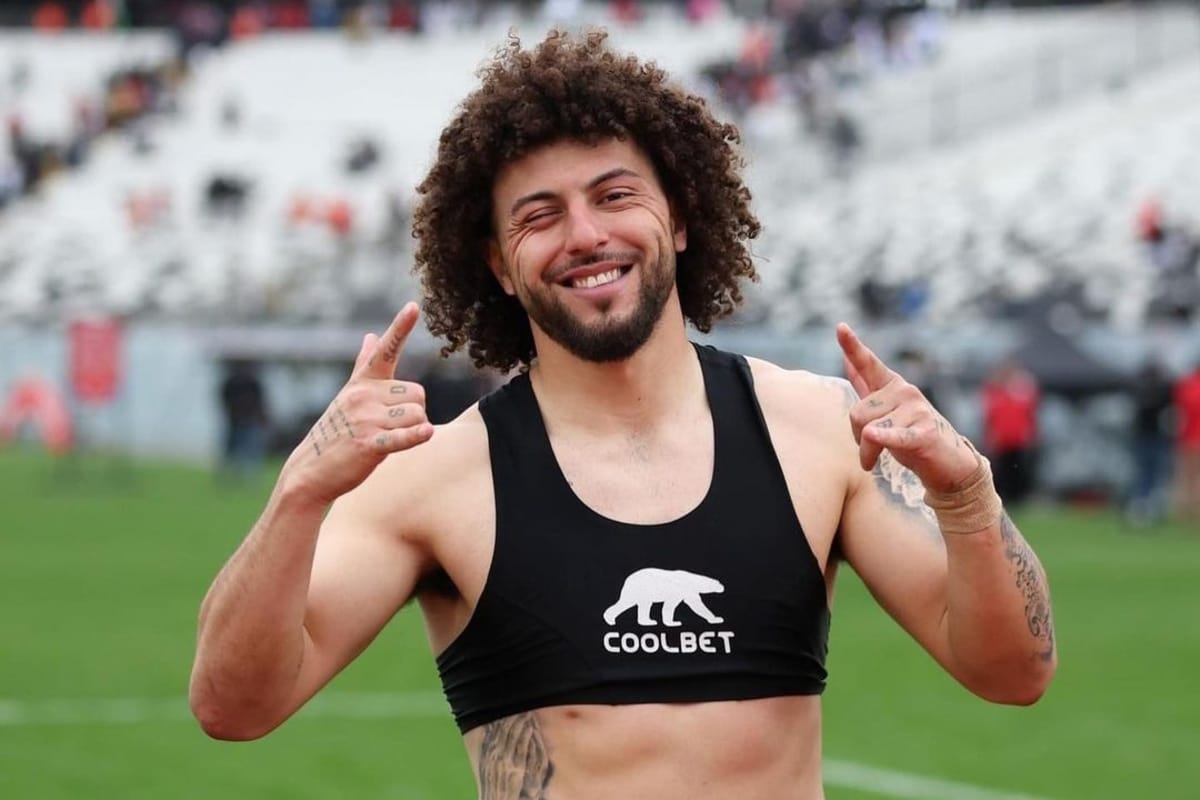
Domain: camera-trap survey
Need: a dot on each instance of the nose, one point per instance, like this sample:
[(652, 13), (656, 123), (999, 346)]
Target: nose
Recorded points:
[(585, 230)]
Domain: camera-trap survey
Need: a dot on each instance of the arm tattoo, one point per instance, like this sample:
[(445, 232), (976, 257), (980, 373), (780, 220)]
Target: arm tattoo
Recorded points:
[(514, 763), (849, 396), (1032, 584), (904, 489)]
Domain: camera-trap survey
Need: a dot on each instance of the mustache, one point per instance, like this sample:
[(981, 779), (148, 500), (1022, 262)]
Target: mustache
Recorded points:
[(620, 256)]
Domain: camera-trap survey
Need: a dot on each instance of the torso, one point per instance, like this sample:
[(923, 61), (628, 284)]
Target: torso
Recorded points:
[(767, 748)]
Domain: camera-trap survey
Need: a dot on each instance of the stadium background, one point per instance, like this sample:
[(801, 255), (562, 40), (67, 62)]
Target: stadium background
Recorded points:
[(200, 183)]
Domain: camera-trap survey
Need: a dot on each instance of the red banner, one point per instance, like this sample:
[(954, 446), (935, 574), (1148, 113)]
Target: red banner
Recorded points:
[(95, 359)]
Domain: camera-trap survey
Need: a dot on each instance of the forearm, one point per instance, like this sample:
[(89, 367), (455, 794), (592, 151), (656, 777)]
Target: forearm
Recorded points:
[(251, 638), (998, 621)]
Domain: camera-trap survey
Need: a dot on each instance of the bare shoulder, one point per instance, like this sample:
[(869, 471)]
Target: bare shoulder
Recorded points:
[(799, 395), (412, 491), (807, 419)]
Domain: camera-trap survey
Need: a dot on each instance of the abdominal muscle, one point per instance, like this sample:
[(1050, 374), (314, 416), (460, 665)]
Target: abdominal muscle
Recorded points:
[(746, 749)]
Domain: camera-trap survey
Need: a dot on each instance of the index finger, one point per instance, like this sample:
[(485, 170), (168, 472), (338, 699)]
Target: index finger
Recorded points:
[(873, 372), (382, 363)]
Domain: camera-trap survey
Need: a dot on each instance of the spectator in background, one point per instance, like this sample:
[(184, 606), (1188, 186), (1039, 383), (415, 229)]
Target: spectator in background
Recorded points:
[(1187, 445), (97, 15), (1151, 445), (1010, 406), (243, 402), (50, 16)]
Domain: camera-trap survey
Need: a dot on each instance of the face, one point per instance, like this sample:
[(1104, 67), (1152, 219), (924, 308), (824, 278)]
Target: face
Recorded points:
[(585, 239)]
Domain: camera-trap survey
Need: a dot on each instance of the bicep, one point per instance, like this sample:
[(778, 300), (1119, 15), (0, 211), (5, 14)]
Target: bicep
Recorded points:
[(891, 540), (363, 572)]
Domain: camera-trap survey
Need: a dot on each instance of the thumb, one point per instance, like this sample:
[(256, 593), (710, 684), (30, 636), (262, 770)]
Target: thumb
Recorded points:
[(364, 352)]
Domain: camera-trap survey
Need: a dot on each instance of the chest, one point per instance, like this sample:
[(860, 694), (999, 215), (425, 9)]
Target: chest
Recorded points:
[(640, 479)]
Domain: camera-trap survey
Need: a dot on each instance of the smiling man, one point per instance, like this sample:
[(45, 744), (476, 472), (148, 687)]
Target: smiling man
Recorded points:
[(625, 556)]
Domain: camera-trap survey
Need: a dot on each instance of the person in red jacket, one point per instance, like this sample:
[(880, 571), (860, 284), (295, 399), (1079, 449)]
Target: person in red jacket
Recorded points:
[(1187, 445), (1010, 407)]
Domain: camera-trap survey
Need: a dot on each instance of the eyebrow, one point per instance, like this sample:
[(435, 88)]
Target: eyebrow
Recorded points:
[(592, 184)]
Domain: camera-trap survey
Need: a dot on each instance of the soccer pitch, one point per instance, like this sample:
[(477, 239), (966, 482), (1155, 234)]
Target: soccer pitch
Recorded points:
[(101, 577)]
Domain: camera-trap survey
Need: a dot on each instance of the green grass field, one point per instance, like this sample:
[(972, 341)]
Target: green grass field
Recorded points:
[(100, 578)]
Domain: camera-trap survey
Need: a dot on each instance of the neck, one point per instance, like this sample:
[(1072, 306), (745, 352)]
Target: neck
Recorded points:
[(630, 396)]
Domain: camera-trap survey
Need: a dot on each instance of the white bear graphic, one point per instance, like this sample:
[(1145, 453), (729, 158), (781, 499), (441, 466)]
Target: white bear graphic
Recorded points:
[(670, 587)]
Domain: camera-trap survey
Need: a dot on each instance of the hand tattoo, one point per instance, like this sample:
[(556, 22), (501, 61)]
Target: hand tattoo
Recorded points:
[(514, 762), (334, 425)]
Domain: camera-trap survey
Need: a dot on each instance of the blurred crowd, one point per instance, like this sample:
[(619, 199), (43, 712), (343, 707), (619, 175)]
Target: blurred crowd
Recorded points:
[(214, 21), (126, 98)]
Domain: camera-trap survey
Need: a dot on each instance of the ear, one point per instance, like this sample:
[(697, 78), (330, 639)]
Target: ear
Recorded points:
[(680, 235), (496, 265)]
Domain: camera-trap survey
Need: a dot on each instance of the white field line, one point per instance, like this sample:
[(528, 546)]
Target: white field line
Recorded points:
[(850, 775), (366, 705)]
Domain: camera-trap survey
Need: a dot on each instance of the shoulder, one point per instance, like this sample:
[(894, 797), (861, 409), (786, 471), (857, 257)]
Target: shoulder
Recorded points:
[(807, 415), (800, 394), (414, 491)]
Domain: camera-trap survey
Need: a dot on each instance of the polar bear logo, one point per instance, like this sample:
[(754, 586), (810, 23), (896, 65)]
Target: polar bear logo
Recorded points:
[(670, 587)]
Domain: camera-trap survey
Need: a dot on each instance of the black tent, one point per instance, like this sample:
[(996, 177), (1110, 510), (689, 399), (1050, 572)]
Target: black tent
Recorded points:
[(1061, 367)]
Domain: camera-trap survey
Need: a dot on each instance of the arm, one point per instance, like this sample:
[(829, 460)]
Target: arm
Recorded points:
[(975, 597), (300, 597)]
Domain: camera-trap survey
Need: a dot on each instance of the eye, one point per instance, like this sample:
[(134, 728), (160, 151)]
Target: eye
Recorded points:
[(614, 195), (540, 215)]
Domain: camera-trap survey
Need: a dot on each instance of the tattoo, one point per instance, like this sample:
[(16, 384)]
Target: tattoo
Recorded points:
[(340, 416), (873, 403), (849, 396), (884, 423), (334, 425), (399, 390), (514, 762), (392, 349), (396, 411), (903, 488), (381, 441), (1032, 583)]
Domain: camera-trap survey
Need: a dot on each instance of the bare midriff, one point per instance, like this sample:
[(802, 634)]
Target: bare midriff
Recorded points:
[(768, 748)]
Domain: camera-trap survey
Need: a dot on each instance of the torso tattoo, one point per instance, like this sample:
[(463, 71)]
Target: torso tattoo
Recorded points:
[(514, 761)]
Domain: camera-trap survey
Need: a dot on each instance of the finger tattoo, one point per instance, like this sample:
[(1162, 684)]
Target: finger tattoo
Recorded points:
[(396, 411)]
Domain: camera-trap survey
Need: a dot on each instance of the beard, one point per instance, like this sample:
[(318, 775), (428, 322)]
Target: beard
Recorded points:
[(609, 339)]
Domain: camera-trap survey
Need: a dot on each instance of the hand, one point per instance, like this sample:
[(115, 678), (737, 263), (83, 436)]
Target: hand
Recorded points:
[(373, 415), (894, 415)]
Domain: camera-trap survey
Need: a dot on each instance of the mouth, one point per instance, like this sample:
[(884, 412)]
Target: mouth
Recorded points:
[(595, 276)]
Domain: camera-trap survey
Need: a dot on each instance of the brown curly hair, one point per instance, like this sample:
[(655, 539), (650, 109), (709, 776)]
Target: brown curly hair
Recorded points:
[(574, 88)]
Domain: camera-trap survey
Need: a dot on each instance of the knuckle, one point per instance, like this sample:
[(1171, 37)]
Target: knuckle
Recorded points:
[(356, 393)]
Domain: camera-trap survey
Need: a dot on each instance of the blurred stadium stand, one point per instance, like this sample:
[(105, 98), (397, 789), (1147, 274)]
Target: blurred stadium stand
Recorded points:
[(962, 181)]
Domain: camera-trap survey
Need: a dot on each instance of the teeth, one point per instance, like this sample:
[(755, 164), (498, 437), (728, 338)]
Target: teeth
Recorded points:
[(592, 281)]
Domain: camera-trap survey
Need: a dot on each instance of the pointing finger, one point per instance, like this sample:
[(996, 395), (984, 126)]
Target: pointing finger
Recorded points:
[(382, 362), (856, 380), (873, 372)]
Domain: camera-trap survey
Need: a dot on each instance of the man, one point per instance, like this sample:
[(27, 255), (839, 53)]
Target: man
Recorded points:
[(1186, 403), (625, 556), (1010, 421)]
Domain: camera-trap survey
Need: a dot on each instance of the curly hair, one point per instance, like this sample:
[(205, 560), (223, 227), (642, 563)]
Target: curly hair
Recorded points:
[(575, 89)]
